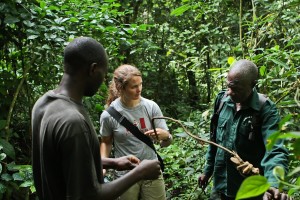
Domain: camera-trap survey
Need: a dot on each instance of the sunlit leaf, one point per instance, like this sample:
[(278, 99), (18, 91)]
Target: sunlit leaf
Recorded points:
[(32, 37), (230, 60), (252, 187), (42, 4), (262, 70), (26, 184), (32, 189), (169, 52), (53, 8), (143, 27), (74, 19), (180, 10)]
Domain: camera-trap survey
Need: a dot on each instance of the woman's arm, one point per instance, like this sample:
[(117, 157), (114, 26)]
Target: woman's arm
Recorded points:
[(105, 149), (122, 163), (106, 146)]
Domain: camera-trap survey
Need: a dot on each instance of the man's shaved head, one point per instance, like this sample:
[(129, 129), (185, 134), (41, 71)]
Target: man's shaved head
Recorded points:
[(241, 79), (82, 52), (244, 70)]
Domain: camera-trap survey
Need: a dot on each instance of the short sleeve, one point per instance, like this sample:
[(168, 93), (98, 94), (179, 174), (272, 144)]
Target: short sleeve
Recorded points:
[(105, 124)]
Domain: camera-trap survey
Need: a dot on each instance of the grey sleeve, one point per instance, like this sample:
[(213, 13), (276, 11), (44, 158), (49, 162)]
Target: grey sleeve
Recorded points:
[(105, 124)]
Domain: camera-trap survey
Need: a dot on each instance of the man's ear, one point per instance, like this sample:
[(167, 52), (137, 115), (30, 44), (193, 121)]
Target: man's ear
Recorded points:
[(92, 68)]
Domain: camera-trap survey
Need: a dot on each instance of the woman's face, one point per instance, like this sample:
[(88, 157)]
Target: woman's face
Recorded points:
[(133, 89)]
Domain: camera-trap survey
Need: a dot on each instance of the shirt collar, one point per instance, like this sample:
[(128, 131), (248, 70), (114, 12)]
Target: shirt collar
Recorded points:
[(252, 102)]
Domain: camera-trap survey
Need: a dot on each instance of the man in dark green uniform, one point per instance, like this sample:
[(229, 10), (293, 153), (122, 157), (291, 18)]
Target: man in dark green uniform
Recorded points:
[(234, 130)]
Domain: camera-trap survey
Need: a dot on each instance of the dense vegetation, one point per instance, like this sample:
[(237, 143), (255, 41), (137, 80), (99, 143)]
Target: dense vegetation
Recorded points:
[(183, 49)]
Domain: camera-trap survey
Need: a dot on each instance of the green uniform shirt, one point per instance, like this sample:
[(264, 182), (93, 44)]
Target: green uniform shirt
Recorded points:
[(233, 132)]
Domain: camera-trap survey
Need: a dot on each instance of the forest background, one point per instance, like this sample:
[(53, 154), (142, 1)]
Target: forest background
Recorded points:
[(183, 48)]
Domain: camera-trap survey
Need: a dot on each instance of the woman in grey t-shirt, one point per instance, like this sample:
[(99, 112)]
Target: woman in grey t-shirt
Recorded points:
[(125, 96)]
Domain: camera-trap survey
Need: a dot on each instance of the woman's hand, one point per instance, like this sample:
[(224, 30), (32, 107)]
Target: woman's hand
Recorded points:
[(161, 134)]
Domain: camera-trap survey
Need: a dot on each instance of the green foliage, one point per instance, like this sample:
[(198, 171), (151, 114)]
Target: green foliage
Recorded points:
[(14, 177), (184, 158)]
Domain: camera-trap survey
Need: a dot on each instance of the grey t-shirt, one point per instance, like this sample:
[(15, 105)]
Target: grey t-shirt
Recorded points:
[(65, 150), (125, 143)]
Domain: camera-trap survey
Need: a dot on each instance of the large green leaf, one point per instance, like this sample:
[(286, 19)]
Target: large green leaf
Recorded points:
[(252, 187), (8, 148), (26, 184)]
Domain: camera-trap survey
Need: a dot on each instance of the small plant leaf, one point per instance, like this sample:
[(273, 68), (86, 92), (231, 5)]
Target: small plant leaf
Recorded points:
[(230, 60), (278, 172)]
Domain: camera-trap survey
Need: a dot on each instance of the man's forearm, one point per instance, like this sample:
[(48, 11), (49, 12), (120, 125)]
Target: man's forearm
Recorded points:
[(108, 163)]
